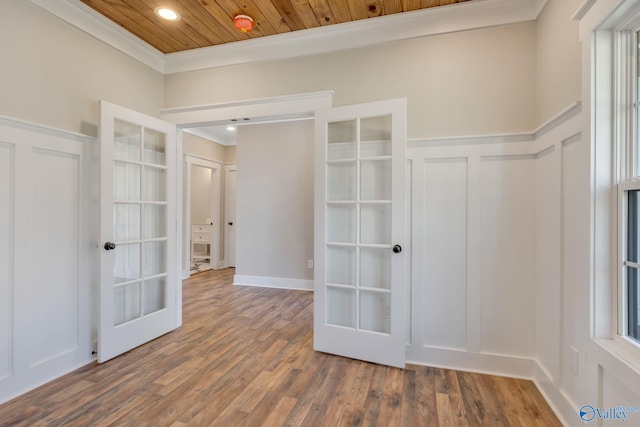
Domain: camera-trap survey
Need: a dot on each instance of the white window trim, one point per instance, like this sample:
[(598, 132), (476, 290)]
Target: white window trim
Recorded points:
[(622, 315), (627, 169)]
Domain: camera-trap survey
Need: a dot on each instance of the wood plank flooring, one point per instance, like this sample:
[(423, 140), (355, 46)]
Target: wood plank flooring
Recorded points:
[(244, 357)]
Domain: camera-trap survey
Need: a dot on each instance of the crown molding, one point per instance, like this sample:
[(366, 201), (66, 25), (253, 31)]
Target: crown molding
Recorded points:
[(84, 18), (440, 20)]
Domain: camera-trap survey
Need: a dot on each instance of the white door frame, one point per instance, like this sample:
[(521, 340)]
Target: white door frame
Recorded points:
[(189, 161), (278, 108), (227, 168)]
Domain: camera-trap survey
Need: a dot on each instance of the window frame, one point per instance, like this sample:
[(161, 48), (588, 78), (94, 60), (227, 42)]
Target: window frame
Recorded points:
[(623, 313), (626, 130)]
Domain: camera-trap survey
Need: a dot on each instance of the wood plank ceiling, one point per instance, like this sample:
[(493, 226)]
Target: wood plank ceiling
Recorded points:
[(210, 22)]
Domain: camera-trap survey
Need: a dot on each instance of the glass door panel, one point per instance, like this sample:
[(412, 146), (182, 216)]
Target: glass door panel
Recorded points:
[(126, 181), (375, 268), (341, 265), (155, 184), (126, 221), (375, 179), (375, 224), (126, 141), (154, 147), (360, 199), (138, 275), (342, 138), (341, 181), (127, 303), (375, 312), (127, 263), (341, 305), (154, 295), (341, 223), (155, 221), (155, 258), (375, 139)]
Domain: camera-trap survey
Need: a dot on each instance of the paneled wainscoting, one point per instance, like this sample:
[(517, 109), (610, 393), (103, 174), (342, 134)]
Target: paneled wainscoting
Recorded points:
[(244, 356)]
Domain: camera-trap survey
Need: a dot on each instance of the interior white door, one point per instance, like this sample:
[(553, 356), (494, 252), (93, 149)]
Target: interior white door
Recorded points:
[(230, 213), (138, 281), (359, 231)]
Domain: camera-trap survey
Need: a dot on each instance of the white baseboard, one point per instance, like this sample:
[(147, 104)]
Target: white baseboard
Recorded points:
[(273, 282), (22, 382), (563, 407), (461, 360)]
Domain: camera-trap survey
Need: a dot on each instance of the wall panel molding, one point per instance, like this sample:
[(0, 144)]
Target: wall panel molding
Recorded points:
[(273, 282), (50, 289)]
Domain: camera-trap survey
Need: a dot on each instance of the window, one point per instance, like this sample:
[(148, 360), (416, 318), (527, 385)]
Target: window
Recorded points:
[(630, 294), (629, 189)]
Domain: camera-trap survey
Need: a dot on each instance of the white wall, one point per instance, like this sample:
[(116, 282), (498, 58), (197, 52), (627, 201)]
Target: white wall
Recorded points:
[(274, 204), (201, 147), (201, 195), (46, 294), (558, 59), (209, 150), (54, 74), (473, 254), (472, 82)]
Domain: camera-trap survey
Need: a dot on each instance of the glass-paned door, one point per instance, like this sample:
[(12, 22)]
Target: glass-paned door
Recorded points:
[(138, 233), (359, 199)]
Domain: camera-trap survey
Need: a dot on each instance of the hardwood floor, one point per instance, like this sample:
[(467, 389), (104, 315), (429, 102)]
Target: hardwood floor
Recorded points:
[(244, 356)]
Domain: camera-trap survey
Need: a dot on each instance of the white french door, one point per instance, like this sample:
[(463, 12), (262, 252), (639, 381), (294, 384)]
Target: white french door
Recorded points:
[(359, 231), (138, 281)]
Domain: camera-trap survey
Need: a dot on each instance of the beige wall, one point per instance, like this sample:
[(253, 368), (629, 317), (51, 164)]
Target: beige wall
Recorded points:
[(558, 59), (54, 74), (201, 147), (201, 195), (473, 82), (274, 208), (230, 154), (200, 181)]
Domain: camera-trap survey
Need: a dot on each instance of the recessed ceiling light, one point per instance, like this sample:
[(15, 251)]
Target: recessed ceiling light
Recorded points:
[(231, 128), (166, 13)]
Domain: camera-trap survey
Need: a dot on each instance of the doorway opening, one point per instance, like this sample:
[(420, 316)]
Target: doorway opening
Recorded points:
[(203, 221), (190, 119)]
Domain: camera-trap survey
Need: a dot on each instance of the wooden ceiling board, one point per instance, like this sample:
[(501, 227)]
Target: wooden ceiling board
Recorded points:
[(181, 31), (296, 14), (120, 13), (340, 11), (358, 9), (273, 16), (219, 15), (206, 23), (392, 6), (410, 5), (323, 12), (374, 8)]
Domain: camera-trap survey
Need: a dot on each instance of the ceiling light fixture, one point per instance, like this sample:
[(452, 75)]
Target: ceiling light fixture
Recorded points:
[(230, 128), (166, 13), (243, 23)]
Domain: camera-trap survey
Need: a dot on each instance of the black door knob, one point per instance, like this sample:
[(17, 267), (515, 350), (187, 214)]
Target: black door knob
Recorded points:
[(230, 223), (397, 249), (109, 246)]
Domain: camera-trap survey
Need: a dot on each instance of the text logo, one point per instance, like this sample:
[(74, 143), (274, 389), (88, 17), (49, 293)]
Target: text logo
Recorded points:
[(620, 413), (587, 413)]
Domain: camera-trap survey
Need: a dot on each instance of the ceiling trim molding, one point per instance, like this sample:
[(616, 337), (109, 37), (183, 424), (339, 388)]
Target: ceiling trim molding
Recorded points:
[(439, 20), (84, 18), (365, 32), (276, 108)]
